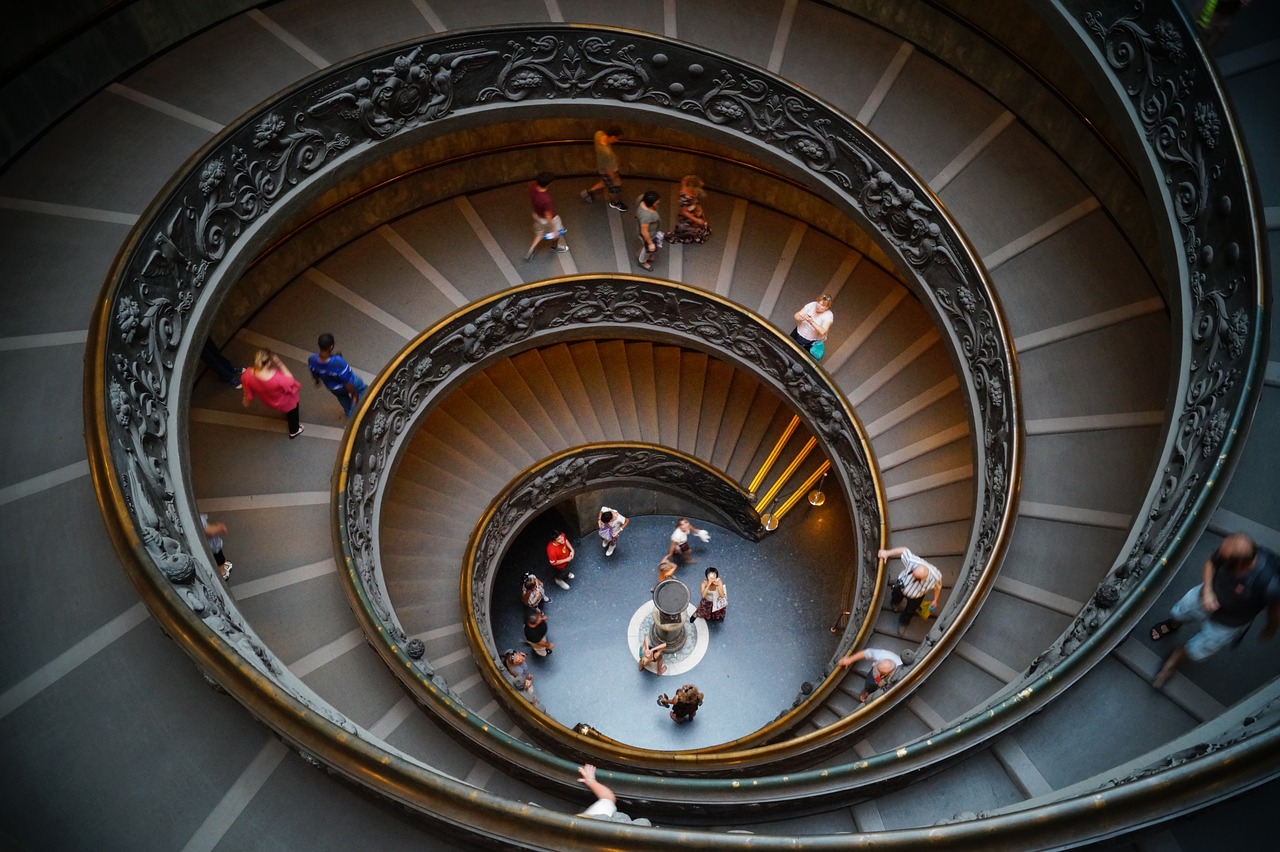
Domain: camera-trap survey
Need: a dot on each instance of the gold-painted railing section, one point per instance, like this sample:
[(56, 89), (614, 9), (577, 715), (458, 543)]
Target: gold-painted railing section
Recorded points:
[(772, 458), (788, 504), (786, 474)]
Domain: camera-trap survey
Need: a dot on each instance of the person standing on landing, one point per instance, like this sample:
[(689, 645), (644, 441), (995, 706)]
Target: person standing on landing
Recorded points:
[(270, 379), (813, 323), (518, 675), (1238, 581), (535, 633), (560, 553), (647, 216), (532, 593), (714, 603), (331, 368), (610, 523), (607, 166), (684, 706), (546, 224)]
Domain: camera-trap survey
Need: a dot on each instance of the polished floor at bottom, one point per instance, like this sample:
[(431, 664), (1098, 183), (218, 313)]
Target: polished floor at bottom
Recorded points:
[(784, 594)]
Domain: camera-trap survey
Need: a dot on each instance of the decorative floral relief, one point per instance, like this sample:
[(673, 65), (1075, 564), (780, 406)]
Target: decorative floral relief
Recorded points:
[(517, 320), (160, 295), (1179, 111)]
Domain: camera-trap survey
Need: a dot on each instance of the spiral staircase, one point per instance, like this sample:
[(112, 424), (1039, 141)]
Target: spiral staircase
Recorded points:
[(113, 739)]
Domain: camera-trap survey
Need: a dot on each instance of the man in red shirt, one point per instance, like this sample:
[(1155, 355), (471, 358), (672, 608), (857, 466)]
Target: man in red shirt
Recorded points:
[(546, 224), (560, 553)]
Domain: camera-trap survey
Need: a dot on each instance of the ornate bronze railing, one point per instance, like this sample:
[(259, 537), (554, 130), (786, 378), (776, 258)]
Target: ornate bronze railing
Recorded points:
[(584, 307), (210, 219)]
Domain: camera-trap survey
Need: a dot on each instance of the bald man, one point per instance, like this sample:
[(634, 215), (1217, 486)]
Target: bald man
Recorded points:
[(1238, 581), (883, 664)]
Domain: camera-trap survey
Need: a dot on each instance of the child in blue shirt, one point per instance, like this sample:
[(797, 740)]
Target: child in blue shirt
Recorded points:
[(329, 367)]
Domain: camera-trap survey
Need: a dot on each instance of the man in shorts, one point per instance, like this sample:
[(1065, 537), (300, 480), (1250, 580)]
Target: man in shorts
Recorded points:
[(607, 166), (547, 226), (1238, 581)]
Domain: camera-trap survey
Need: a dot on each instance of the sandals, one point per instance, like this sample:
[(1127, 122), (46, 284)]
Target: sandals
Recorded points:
[(1163, 629), (648, 267)]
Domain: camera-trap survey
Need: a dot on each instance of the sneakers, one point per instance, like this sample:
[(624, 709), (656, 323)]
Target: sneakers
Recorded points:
[(620, 206), (608, 551), (301, 429), (562, 584), (226, 569), (586, 196), (570, 575), (560, 249)]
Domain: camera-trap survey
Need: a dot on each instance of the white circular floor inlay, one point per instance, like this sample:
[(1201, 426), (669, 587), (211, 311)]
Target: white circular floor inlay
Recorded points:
[(678, 662)]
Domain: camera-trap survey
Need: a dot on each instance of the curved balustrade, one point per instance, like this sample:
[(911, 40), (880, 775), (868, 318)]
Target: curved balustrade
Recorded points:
[(165, 291), (561, 478), (574, 308), (167, 284)]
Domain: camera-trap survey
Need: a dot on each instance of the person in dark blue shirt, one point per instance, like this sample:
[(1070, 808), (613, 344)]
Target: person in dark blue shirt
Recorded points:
[(1238, 581), (331, 368)]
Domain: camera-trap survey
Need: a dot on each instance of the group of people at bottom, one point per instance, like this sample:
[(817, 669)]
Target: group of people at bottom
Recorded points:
[(713, 605), (1239, 581)]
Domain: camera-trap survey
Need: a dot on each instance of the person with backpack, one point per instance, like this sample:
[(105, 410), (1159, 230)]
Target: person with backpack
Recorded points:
[(1239, 581)]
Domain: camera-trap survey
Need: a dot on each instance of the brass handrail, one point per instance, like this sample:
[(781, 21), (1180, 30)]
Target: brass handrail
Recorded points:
[(767, 464), (798, 460), (800, 492)]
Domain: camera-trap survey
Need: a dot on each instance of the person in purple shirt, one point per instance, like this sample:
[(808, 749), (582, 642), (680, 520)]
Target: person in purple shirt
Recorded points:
[(331, 368)]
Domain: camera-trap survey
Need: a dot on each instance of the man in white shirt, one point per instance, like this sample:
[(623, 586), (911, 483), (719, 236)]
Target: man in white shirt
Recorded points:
[(813, 323), (883, 664), (916, 580), (680, 550)]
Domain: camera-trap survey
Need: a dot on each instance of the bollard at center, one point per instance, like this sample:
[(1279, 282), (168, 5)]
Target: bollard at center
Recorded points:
[(670, 601)]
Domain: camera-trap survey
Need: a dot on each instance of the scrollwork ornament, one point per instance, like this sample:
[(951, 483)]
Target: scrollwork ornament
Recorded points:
[(173, 279), (1181, 115)]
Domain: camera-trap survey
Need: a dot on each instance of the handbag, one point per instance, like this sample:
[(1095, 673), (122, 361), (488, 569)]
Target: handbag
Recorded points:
[(817, 349)]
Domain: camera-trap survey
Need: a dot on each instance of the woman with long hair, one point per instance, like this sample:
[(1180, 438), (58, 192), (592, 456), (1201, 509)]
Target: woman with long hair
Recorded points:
[(715, 598), (685, 704), (691, 223)]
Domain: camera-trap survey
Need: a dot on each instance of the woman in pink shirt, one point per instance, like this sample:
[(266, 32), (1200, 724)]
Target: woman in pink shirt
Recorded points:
[(271, 380)]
